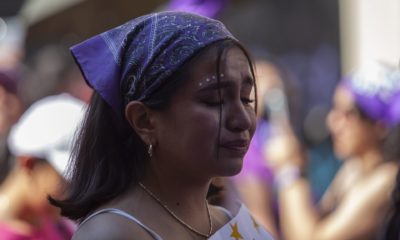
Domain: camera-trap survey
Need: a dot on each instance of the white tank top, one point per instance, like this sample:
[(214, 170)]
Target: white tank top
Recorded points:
[(126, 215), (135, 220)]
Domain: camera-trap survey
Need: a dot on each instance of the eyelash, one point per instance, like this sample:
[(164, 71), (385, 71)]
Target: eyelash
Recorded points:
[(213, 103), (245, 101)]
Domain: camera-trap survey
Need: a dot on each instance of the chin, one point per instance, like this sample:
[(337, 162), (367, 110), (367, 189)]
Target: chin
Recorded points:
[(232, 169), (342, 154)]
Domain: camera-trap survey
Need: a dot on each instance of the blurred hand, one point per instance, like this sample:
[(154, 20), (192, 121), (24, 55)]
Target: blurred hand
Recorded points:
[(283, 149)]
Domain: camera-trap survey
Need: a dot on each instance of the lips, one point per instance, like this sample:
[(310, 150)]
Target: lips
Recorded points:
[(240, 145)]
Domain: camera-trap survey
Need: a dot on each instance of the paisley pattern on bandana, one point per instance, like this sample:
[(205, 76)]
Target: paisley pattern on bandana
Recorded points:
[(139, 56), (376, 90)]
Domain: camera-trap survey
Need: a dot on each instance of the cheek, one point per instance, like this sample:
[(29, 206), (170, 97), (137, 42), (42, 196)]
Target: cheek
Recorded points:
[(354, 140), (193, 130), (204, 125), (51, 183), (330, 121)]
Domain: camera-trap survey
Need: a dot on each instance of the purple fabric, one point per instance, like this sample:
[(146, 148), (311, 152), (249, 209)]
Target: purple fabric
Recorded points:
[(60, 229), (132, 61), (376, 90), (254, 162), (207, 8)]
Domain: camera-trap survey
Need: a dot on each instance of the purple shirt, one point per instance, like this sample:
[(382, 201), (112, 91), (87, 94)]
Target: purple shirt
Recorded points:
[(254, 163)]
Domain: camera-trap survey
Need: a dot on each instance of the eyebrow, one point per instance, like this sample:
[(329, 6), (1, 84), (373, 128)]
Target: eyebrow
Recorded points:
[(248, 81), (225, 84)]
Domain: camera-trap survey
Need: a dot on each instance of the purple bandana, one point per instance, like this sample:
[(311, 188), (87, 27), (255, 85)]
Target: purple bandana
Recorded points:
[(142, 53), (376, 90)]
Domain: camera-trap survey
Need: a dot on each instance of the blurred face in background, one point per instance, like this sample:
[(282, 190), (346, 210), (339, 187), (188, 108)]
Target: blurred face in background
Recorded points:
[(268, 77), (352, 134), (43, 180)]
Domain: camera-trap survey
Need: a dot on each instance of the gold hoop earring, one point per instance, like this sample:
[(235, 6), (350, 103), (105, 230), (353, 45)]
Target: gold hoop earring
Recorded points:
[(150, 150)]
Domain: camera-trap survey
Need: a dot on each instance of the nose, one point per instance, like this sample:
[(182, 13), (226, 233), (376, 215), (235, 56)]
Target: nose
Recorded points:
[(334, 121), (239, 117)]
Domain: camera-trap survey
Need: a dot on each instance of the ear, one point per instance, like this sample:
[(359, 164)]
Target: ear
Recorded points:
[(141, 119), (27, 163), (381, 130)]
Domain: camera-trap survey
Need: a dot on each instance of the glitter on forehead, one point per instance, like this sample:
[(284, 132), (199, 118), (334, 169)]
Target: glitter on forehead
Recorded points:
[(209, 80)]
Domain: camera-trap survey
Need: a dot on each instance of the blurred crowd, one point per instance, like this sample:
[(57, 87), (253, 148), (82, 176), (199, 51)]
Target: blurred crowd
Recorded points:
[(322, 163)]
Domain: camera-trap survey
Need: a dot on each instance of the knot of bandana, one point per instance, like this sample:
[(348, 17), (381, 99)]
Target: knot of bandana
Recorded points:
[(376, 90), (135, 59)]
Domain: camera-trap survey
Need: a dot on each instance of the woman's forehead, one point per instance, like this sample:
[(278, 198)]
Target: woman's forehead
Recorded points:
[(232, 57), (343, 96), (237, 56)]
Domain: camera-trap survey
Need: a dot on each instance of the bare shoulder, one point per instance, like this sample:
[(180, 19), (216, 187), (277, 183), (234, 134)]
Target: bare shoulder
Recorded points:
[(385, 175), (378, 187), (108, 226), (390, 169)]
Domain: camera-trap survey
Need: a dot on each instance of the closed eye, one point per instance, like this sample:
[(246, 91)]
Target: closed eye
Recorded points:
[(247, 101), (213, 103)]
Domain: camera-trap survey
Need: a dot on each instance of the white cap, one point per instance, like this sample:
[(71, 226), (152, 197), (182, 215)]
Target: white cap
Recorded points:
[(47, 129)]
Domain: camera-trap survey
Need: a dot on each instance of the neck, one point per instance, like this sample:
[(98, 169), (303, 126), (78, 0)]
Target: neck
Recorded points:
[(178, 194), (181, 198), (371, 159), (177, 188)]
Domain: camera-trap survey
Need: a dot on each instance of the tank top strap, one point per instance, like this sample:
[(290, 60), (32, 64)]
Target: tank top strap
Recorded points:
[(123, 214), (227, 213)]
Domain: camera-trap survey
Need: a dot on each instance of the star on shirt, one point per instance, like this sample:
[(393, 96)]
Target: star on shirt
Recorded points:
[(255, 225), (235, 232)]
